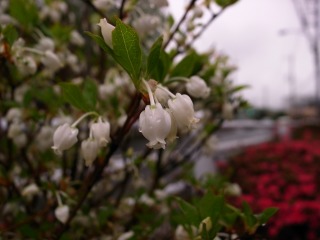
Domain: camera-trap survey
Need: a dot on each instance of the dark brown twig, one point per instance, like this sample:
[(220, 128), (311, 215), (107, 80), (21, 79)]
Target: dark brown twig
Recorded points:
[(133, 114), (121, 10), (176, 29), (204, 28)]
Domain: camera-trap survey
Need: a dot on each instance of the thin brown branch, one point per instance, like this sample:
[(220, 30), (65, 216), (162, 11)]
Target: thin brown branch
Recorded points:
[(204, 28), (176, 29), (95, 176), (93, 7), (121, 10)]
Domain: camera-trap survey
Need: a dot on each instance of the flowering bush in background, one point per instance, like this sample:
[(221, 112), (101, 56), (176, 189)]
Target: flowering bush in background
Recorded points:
[(284, 175), (79, 81)]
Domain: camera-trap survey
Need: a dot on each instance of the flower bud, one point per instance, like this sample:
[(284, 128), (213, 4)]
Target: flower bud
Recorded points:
[(207, 222), (197, 87), (76, 38), (106, 30), (182, 109), (89, 149), (126, 235), (101, 132), (62, 213), (233, 189), (30, 190), (197, 12), (155, 125), (64, 138)]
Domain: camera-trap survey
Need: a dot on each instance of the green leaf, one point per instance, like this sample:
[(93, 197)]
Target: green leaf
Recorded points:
[(127, 50), (44, 96), (103, 215), (162, 68), (185, 67), (266, 214), (238, 88), (90, 93), (25, 12), (190, 212), (73, 95), (249, 218), (210, 206), (29, 232), (61, 32), (10, 34), (99, 40), (225, 3), (154, 55)]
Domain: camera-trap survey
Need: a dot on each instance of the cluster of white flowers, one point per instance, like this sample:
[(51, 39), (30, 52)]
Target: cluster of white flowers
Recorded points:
[(167, 113), (65, 137), (26, 59), (159, 124)]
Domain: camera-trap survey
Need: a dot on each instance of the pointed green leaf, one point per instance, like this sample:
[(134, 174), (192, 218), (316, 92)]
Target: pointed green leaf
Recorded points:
[(25, 12), (185, 67), (90, 93), (154, 55), (161, 69), (266, 214), (210, 206), (238, 88), (249, 218), (73, 95), (190, 212), (10, 34), (127, 50), (225, 3), (99, 40)]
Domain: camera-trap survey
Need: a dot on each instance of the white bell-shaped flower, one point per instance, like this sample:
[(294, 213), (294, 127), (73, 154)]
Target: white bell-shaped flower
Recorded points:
[(172, 136), (197, 87), (26, 65), (162, 95), (182, 109), (64, 138), (106, 30), (155, 125), (51, 61), (62, 213), (90, 150), (101, 131), (44, 138), (45, 44)]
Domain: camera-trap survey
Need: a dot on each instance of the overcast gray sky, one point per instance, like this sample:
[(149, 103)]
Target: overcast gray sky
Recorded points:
[(249, 33)]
